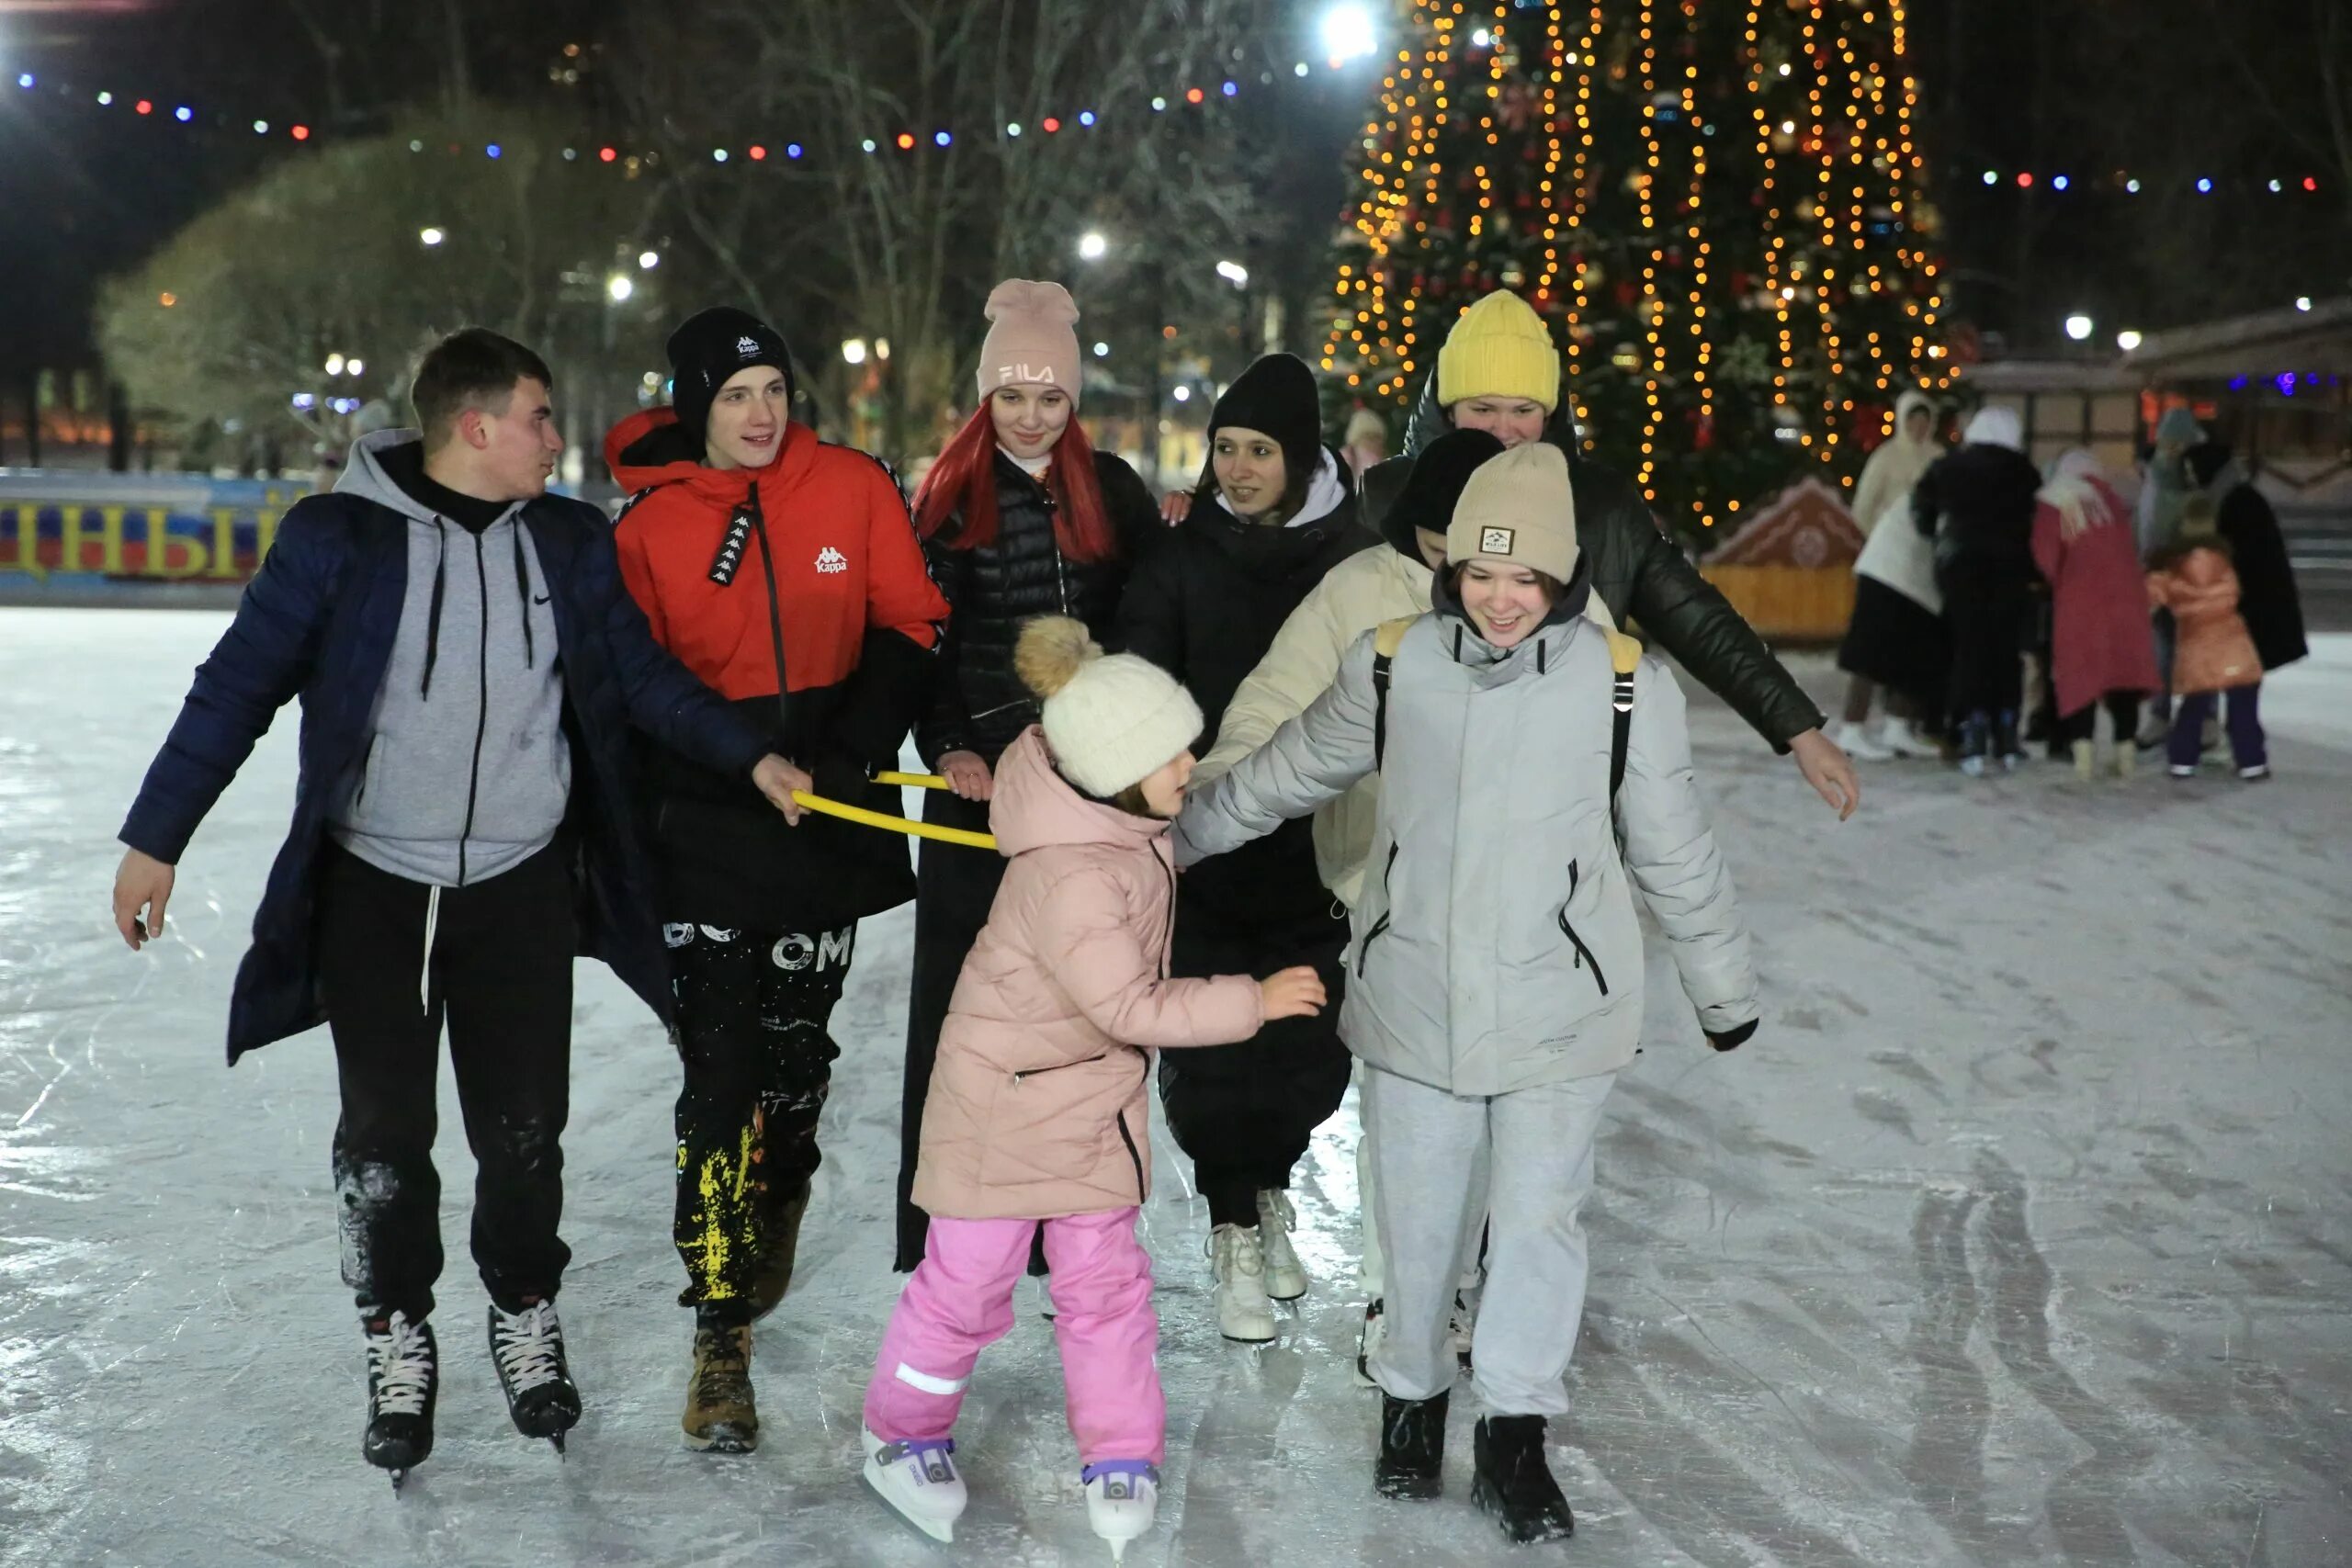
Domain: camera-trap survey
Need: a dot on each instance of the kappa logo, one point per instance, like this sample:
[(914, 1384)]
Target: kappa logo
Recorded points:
[(1496, 541), (829, 559), (747, 346)]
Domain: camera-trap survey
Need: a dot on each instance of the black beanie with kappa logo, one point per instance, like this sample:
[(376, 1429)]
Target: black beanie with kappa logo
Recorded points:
[(709, 348)]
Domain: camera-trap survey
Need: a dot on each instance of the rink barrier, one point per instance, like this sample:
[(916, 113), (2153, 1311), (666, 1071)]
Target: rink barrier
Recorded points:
[(73, 532)]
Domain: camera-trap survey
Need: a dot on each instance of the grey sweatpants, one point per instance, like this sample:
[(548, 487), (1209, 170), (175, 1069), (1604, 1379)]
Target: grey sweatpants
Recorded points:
[(1426, 1146)]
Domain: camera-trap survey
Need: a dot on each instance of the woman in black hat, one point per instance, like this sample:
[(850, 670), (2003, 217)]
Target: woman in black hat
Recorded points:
[(1275, 510)]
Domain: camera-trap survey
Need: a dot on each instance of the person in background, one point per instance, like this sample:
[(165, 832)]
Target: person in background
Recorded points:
[(1019, 518), (2102, 653), (2215, 656), (1896, 639), (2165, 488), (1365, 444), (2244, 521), (1977, 505)]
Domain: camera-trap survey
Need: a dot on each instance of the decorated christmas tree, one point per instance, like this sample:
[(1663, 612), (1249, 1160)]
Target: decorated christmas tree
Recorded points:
[(1715, 204)]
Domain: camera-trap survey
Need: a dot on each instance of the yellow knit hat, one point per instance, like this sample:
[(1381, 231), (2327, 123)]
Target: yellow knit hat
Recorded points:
[(1498, 349)]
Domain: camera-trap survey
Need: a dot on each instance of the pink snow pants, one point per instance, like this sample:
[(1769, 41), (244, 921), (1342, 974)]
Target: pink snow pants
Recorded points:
[(959, 1302)]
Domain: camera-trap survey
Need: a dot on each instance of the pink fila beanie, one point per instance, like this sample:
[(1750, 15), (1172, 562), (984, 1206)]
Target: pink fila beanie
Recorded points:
[(1033, 338)]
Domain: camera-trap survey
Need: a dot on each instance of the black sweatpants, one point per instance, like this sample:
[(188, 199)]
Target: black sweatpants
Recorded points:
[(753, 1011), (1246, 1113), (500, 974), (2122, 709), (1986, 603)]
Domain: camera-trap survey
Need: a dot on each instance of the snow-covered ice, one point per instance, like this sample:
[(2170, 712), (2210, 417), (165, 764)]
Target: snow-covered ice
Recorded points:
[(2017, 1236)]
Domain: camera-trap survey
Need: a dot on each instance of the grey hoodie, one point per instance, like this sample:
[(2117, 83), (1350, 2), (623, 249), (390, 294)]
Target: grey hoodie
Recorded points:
[(468, 770)]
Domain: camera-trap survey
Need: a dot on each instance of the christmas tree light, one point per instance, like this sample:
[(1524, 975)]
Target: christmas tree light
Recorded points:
[(1715, 205)]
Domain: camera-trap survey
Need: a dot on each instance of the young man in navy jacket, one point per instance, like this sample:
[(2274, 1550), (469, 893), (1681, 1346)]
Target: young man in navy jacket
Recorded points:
[(469, 665)]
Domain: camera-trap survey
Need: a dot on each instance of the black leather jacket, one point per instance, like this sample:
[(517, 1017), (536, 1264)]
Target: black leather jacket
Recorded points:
[(978, 704), (1642, 576)]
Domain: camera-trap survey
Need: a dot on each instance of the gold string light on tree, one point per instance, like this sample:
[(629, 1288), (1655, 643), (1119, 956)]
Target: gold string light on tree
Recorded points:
[(1716, 207)]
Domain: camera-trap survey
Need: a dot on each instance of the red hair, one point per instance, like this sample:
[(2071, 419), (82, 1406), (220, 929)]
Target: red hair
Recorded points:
[(961, 488)]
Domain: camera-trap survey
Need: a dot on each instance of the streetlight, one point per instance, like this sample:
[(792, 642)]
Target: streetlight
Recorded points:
[(1093, 246), (2078, 327), (1349, 33), (2303, 302), (429, 237), (618, 287), (1233, 272), (648, 260), (853, 351), (354, 366), (2127, 340), (335, 364)]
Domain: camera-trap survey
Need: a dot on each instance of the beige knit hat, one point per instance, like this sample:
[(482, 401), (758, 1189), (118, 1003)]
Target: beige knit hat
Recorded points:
[(1110, 720), (1518, 507), (1033, 338)]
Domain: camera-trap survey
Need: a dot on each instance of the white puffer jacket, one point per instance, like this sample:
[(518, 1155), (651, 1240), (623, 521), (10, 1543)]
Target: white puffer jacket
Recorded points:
[(1496, 946)]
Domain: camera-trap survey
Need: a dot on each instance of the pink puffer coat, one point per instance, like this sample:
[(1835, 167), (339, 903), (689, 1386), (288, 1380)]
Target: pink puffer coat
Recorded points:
[(1037, 1105)]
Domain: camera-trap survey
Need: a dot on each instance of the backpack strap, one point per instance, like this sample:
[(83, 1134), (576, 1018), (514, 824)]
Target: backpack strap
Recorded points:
[(1387, 638), (1624, 658)]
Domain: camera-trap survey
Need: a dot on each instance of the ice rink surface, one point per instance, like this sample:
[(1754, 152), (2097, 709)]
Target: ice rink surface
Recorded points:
[(2017, 1236)]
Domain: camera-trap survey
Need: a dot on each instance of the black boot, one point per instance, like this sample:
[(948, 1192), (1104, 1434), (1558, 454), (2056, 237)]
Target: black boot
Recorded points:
[(1513, 1484), (404, 1379), (1412, 1447), (2005, 739), (528, 1347)]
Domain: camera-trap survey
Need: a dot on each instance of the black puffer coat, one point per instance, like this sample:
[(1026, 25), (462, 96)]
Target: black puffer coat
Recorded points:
[(980, 704), (1978, 503), (2267, 601), (1642, 576), (1203, 604)]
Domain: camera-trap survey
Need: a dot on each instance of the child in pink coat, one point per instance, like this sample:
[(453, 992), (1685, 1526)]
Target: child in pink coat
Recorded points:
[(1037, 1111)]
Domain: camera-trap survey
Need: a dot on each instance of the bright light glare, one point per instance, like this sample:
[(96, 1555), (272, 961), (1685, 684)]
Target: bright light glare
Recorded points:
[(1349, 33)]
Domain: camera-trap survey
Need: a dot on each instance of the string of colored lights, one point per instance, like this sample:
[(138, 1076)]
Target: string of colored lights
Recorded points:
[(755, 150)]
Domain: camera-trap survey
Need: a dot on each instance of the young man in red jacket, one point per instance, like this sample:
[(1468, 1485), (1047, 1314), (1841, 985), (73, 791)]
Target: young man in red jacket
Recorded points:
[(785, 572)]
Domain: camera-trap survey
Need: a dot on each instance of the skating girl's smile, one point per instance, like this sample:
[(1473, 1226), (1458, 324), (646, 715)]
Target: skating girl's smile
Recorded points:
[(1030, 418), (1514, 422), (1249, 471), (747, 418), (1504, 600)]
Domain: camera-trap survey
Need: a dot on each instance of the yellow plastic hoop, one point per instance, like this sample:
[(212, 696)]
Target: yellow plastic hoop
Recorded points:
[(889, 824)]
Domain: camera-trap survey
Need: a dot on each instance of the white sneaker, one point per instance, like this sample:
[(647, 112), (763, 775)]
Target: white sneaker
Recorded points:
[(1897, 739), (1856, 743), (920, 1479), (1122, 1500), (1243, 1310), (1285, 1277)]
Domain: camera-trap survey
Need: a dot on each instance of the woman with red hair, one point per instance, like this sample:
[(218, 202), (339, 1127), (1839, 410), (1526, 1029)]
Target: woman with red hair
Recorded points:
[(1018, 517)]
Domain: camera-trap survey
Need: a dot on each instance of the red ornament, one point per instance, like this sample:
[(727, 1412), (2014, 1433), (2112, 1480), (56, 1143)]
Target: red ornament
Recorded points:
[(1627, 292)]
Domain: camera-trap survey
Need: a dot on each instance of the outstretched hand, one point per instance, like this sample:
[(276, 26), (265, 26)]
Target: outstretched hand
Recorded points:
[(141, 884), (1829, 771), (1292, 993), (777, 779)]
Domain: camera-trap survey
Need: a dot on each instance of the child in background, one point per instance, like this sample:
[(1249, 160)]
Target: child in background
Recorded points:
[(1037, 1111), (2214, 653)]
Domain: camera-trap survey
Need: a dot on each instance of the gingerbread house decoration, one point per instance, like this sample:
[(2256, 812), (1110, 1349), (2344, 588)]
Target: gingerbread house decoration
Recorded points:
[(1790, 570)]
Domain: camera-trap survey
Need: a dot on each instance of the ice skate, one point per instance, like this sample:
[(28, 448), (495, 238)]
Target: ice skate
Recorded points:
[(2005, 744), (1898, 739), (1856, 743), (721, 1417), (403, 1380), (918, 1478), (1412, 1448), (1244, 1313), (2085, 760), (528, 1347), (1285, 1277), (1122, 1500), (1514, 1485), (1975, 744)]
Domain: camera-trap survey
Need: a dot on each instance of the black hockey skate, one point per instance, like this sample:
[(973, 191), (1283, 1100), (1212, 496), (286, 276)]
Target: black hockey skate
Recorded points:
[(1514, 1485), (528, 1347), (1412, 1448), (403, 1378)]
